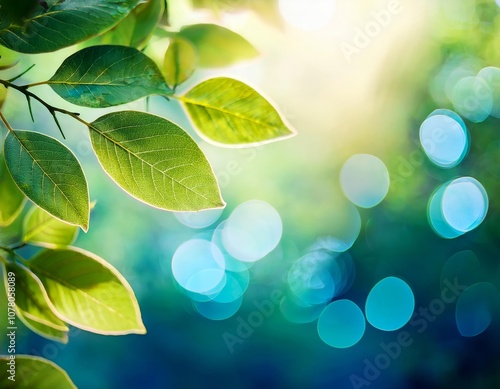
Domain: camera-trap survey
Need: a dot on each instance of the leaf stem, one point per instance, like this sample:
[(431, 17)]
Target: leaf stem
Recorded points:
[(21, 74), (53, 110), (17, 245), (34, 84), (11, 251)]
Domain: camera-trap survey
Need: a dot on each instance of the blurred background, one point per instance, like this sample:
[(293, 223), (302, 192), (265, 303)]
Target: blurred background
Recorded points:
[(363, 252)]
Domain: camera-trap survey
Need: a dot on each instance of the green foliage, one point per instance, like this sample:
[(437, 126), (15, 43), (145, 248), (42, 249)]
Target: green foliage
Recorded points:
[(229, 112), (148, 156), (41, 228), (36, 373), (217, 46), (180, 61), (49, 175), (103, 76), (87, 292), (44, 330), (31, 299), (62, 24), (11, 198), (155, 161)]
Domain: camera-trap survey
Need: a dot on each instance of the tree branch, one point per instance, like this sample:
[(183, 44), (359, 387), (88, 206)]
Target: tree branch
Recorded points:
[(29, 95)]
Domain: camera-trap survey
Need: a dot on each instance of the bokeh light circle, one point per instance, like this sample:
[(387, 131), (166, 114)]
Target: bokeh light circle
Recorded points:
[(341, 324), (201, 219), (364, 180), (307, 14), (321, 275), (475, 308), (436, 218), (462, 267), (252, 231), (346, 230), (464, 204), (444, 140), (491, 75), (218, 311), (390, 304), (232, 264), (472, 98), (198, 266), (235, 286)]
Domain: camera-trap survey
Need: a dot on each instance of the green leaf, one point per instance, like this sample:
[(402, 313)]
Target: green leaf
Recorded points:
[(11, 198), (3, 95), (104, 76), (179, 62), (217, 46), (49, 175), (228, 112), (155, 161), (121, 34), (31, 298), (88, 292), (41, 228), (8, 58), (34, 372), (63, 24), (147, 16), (43, 330)]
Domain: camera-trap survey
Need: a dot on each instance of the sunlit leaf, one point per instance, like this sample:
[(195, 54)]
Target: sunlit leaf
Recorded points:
[(44, 330), (229, 112), (155, 161), (103, 76), (179, 62), (63, 24), (49, 174), (217, 46), (34, 372), (8, 58), (88, 292), (31, 298), (11, 198), (41, 228)]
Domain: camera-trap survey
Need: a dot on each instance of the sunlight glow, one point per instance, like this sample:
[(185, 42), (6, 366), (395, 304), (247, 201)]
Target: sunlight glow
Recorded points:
[(307, 14)]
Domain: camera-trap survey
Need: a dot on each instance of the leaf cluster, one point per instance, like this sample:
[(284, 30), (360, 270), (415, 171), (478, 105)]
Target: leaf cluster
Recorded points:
[(150, 157)]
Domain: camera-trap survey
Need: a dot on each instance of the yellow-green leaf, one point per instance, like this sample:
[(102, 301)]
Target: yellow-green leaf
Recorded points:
[(87, 292), (41, 228), (43, 330), (217, 46), (11, 198), (33, 373), (49, 174), (230, 113), (31, 298), (3, 95), (179, 62), (155, 161)]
